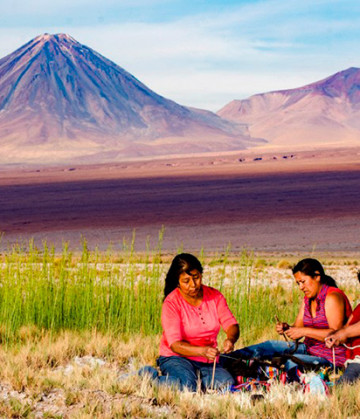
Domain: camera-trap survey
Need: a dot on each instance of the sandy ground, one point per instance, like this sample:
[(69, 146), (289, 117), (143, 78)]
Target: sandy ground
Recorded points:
[(264, 200)]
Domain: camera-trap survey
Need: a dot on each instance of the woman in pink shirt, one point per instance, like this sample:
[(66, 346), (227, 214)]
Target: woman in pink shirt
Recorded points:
[(191, 317)]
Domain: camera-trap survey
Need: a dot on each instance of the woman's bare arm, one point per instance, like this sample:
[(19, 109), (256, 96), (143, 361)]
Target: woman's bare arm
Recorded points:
[(232, 335), (184, 348), (343, 334), (335, 314)]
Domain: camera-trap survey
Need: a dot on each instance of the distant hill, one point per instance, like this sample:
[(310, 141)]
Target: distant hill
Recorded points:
[(60, 101), (322, 113)]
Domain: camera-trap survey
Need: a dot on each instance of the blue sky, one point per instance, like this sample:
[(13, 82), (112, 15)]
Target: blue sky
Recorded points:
[(201, 53)]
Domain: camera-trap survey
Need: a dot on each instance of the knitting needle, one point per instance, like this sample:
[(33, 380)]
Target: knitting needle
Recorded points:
[(213, 375)]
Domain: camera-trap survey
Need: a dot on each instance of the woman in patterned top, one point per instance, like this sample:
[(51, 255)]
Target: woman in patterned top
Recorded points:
[(325, 308)]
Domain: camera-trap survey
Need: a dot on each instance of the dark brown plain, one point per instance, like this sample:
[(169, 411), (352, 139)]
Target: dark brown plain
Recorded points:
[(272, 205)]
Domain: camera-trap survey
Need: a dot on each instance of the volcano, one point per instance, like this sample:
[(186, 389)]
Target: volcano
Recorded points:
[(323, 113), (61, 101)]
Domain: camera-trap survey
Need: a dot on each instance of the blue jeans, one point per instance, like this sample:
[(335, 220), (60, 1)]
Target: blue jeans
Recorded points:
[(185, 372), (351, 374), (273, 348)]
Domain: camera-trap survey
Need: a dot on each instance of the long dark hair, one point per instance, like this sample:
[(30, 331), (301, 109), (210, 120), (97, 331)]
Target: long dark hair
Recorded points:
[(184, 262), (312, 268)]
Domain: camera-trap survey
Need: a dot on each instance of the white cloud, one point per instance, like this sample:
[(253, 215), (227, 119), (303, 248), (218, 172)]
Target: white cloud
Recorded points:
[(226, 85), (207, 60)]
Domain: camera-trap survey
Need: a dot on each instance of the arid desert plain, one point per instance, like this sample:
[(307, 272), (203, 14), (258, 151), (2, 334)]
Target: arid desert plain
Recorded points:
[(263, 200)]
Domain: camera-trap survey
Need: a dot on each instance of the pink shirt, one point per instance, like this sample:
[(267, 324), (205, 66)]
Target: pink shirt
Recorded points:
[(198, 326)]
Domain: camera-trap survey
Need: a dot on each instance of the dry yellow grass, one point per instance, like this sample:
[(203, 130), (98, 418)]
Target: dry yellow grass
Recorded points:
[(80, 375)]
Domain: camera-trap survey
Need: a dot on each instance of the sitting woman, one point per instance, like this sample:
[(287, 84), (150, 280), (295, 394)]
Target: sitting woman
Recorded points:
[(325, 308), (350, 336), (191, 317)]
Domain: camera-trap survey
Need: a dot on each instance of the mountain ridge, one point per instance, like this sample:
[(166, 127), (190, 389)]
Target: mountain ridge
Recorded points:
[(61, 99), (323, 112)]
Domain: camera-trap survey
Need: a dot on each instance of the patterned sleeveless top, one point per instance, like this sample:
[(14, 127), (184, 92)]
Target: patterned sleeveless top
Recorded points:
[(316, 347)]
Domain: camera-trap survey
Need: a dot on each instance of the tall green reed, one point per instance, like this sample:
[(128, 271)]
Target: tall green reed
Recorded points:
[(121, 292), (253, 296)]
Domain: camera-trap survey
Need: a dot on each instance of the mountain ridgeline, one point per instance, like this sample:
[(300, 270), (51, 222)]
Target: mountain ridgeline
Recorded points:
[(62, 101), (323, 113)]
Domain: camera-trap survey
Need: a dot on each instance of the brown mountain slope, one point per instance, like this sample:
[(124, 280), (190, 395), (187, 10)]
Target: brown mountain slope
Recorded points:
[(60, 101), (322, 113)]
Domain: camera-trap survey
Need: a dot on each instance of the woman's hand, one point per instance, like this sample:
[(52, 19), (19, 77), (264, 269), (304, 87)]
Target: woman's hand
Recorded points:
[(282, 327), (228, 346), (336, 338), (232, 335), (295, 333), (210, 353)]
